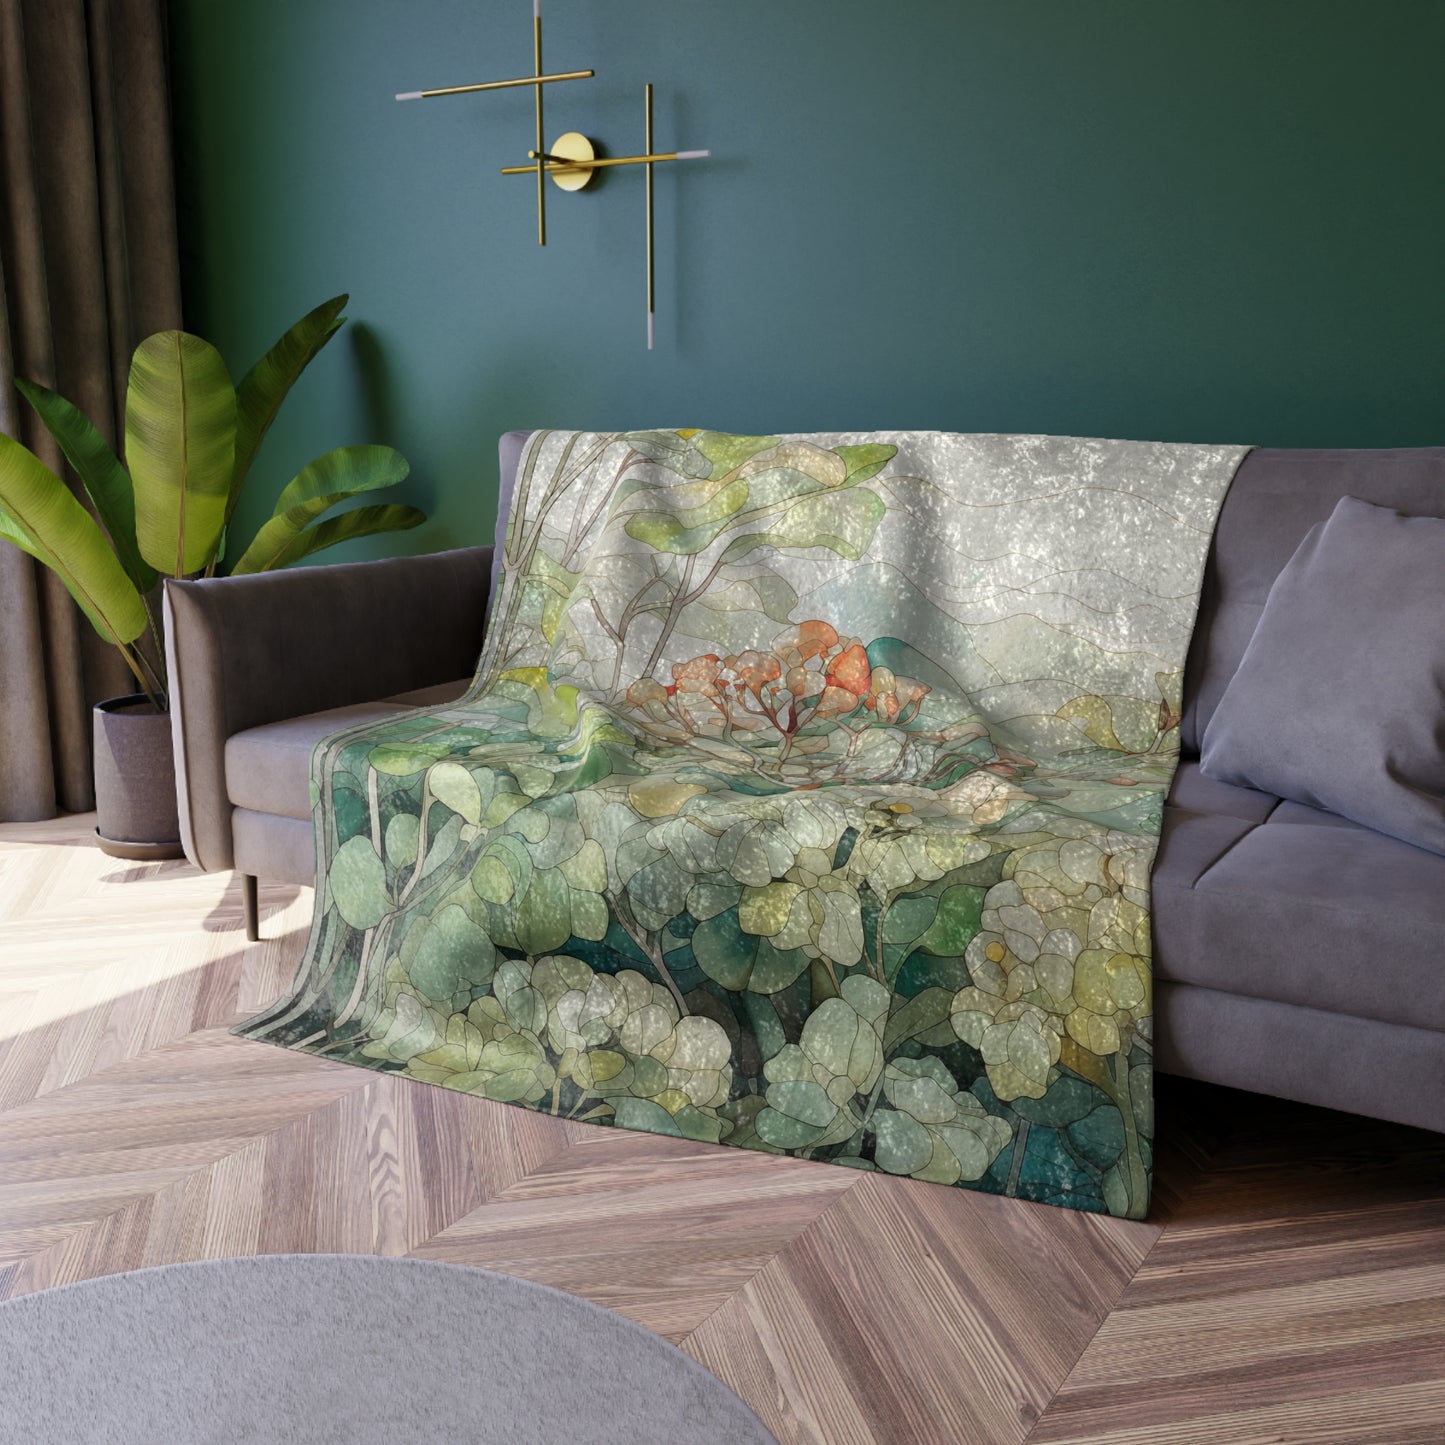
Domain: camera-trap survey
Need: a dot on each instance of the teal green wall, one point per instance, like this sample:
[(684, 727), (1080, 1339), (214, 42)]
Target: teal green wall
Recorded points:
[(1199, 220)]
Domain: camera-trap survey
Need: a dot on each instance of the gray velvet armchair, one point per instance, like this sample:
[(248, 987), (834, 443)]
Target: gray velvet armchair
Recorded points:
[(263, 666)]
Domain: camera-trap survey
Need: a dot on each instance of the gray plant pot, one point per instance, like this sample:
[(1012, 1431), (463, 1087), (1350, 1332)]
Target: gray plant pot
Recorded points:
[(135, 780)]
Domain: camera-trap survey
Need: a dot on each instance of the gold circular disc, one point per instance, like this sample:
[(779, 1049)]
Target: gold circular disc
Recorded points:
[(573, 147)]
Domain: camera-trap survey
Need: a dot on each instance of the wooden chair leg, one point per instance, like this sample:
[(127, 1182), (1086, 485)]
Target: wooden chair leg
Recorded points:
[(250, 907)]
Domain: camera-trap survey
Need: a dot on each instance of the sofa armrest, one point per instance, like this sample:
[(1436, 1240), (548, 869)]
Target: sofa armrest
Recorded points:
[(243, 651)]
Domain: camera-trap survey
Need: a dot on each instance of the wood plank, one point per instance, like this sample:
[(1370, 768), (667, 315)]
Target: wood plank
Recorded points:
[(662, 1230), (912, 1313), (1302, 1272)]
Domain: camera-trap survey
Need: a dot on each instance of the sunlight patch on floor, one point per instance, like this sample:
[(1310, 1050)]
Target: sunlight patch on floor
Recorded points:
[(80, 932)]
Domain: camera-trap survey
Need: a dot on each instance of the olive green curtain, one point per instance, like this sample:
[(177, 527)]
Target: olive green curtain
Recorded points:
[(88, 266)]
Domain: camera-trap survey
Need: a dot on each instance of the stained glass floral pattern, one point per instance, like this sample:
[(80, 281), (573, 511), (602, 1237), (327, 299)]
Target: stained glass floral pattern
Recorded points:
[(805, 800)]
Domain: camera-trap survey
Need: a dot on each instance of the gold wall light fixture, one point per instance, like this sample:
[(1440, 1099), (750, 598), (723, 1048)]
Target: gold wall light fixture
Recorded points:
[(572, 160), (536, 80)]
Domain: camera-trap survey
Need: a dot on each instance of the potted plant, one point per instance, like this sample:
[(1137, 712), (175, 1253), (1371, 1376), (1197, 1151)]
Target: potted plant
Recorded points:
[(190, 439)]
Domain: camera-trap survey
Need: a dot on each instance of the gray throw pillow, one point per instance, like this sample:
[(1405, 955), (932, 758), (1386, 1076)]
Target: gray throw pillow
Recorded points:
[(1339, 700)]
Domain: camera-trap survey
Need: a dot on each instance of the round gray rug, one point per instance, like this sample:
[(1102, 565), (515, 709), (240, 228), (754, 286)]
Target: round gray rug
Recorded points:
[(346, 1348)]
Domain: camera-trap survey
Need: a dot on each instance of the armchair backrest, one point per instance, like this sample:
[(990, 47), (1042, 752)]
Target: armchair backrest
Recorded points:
[(243, 651)]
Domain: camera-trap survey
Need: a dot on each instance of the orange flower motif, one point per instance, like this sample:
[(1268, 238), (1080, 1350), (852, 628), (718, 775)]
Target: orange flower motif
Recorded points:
[(851, 670), (808, 639), (647, 694), (752, 671), (836, 702), (891, 696), (810, 675), (697, 674)]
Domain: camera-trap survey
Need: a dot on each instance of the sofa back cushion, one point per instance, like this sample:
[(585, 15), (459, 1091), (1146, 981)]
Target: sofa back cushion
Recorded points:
[(1277, 496)]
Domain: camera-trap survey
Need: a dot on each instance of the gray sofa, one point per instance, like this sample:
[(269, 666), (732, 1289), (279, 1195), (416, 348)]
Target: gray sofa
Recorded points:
[(1296, 954)]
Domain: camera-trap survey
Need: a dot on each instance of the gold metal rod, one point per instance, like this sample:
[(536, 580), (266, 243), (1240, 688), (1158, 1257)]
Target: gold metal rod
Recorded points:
[(557, 163), (647, 148), (495, 85), (537, 91)]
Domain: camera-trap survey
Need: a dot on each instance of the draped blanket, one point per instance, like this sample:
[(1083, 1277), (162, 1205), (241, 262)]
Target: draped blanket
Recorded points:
[(805, 800)]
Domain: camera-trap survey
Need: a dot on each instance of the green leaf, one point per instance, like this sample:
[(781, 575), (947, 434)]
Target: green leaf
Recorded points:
[(106, 482), (402, 834), (689, 531), (903, 1143), (724, 952), (454, 954), (543, 919), (798, 1114), (842, 521), (1066, 1100), (402, 759), (927, 1010), (180, 442), (775, 968), (43, 517), (357, 880), (265, 386), (1099, 1136), (339, 475), (645, 1115), (727, 452), (342, 472), (866, 461), (452, 785), (960, 910), (359, 522)]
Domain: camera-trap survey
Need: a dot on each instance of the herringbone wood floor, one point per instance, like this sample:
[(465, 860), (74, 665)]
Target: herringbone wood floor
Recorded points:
[(1291, 1287)]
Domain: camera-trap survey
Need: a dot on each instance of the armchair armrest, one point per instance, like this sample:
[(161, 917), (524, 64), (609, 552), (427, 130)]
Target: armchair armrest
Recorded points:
[(243, 651)]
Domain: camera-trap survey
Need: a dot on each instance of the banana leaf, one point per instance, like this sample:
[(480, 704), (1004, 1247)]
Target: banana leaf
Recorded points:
[(180, 441), (360, 522), (335, 477), (105, 481), (264, 387), (43, 517)]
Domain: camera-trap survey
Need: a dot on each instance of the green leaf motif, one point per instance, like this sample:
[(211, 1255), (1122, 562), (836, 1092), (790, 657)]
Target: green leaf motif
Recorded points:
[(358, 883), (845, 1044), (455, 954), (739, 960), (689, 531), (921, 1014), (798, 1114), (727, 452), (956, 923), (402, 834), (903, 1143), (543, 920), (866, 461), (843, 522), (645, 1115), (459, 789), (400, 760)]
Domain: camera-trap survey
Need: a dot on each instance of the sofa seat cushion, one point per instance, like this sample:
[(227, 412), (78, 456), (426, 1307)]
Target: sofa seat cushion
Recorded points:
[(438, 695), (268, 768), (1303, 908)]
